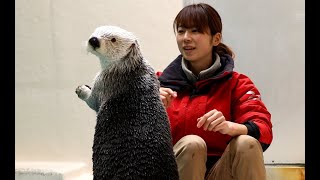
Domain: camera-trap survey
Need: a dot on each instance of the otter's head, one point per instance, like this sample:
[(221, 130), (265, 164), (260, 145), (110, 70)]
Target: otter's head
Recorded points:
[(111, 43)]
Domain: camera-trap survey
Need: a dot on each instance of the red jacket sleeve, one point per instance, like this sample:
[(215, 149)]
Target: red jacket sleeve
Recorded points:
[(249, 109)]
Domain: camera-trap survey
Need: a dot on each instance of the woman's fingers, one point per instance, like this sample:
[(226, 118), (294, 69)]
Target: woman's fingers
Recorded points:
[(202, 120), (166, 95), (168, 92), (210, 120), (216, 124), (164, 100)]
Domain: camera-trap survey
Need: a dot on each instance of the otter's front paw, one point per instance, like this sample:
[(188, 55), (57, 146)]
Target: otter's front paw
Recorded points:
[(83, 91)]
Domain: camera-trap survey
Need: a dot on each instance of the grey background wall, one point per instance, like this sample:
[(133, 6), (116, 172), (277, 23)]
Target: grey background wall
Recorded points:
[(52, 124)]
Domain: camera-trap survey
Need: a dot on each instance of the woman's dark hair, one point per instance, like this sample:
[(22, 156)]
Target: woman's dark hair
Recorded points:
[(202, 16)]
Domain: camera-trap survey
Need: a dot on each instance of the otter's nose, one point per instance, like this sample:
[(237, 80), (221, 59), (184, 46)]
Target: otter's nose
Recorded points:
[(94, 42)]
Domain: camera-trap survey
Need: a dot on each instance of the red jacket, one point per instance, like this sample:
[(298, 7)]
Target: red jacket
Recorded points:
[(232, 93)]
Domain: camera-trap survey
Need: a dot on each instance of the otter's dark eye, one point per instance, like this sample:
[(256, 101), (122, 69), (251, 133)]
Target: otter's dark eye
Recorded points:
[(113, 40)]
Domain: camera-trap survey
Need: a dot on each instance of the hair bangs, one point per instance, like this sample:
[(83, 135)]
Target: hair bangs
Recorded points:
[(192, 17)]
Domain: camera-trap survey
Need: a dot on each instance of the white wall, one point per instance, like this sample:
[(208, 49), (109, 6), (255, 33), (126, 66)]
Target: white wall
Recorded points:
[(51, 61)]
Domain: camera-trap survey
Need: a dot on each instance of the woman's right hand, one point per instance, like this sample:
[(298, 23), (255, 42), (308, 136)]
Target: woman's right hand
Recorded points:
[(167, 95)]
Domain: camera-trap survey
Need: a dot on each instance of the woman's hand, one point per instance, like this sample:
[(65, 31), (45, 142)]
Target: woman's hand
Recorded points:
[(166, 95), (215, 121)]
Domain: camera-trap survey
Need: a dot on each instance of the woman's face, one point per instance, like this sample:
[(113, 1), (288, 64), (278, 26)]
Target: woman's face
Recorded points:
[(196, 46)]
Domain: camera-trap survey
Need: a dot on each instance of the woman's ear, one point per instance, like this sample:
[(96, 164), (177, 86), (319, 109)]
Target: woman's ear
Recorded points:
[(216, 39)]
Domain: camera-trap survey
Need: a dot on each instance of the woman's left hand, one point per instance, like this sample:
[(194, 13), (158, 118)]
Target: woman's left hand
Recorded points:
[(215, 121)]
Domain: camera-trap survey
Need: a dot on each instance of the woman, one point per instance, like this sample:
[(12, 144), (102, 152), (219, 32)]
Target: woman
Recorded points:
[(219, 124)]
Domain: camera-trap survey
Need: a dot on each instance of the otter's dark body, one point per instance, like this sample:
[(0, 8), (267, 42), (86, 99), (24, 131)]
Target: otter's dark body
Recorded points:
[(132, 137)]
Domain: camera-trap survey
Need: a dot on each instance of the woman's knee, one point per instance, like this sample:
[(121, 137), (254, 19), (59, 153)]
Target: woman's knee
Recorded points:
[(192, 143), (246, 144)]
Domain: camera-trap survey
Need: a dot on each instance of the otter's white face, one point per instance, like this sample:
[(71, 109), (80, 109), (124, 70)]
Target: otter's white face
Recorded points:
[(110, 43)]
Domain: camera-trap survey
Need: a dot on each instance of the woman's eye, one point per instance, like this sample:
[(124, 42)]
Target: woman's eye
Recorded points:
[(180, 31), (113, 40), (195, 30)]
